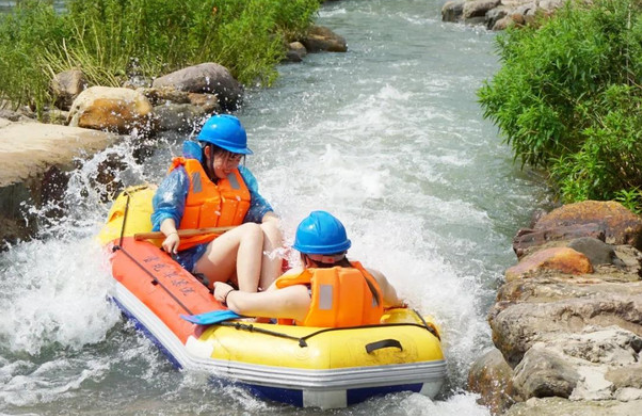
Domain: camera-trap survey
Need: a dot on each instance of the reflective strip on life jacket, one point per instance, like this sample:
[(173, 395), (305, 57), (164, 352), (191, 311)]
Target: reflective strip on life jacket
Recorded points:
[(341, 296), (210, 204)]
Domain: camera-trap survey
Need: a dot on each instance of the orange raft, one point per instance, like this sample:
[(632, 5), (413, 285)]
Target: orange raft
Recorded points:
[(303, 366)]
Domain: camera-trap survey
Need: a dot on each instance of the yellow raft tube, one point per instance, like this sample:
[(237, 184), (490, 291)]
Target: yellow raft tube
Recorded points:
[(302, 366)]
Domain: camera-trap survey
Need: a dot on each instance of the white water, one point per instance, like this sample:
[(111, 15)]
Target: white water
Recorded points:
[(388, 137)]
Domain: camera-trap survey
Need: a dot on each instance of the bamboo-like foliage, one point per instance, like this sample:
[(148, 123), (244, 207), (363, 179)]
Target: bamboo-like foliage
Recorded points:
[(568, 98), (105, 37)]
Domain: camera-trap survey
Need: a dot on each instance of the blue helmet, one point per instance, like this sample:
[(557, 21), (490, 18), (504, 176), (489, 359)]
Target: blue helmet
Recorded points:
[(225, 131), (321, 233)]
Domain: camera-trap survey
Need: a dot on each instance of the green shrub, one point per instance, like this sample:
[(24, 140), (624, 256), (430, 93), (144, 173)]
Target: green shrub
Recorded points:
[(105, 37), (567, 98)]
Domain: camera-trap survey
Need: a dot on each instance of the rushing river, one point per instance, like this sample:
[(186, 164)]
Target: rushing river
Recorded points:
[(389, 137)]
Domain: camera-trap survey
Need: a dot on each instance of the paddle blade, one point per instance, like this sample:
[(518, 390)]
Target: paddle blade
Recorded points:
[(213, 317)]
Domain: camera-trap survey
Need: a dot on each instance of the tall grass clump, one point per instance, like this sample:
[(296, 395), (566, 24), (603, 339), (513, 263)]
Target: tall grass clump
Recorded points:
[(568, 99), (105, 37)]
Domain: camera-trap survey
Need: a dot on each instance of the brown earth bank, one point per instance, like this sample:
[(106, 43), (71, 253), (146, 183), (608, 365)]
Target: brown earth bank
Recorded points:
[(36, 157), (567, 322)]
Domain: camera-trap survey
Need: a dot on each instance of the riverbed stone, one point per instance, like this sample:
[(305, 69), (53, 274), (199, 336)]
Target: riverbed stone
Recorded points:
[(452, 11), (575, 365), (296, 52), (178, 117), (207, 78), (492, 378), (555, 288), (515, 327), (562, 259), (66, 86), (621, 226), (542, 374), (321, 38), (597, 251), (529, 240), (556, 406), (120, 110), (33, 159), (478, 8)]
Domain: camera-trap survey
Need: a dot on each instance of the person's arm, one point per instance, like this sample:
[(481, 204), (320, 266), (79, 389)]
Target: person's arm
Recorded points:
[(169, 205), (260, 210), (390, 297), (291, 302)]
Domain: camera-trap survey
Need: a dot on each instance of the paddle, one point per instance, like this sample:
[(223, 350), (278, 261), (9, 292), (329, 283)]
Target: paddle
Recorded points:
[(156, 235), (213, 317)]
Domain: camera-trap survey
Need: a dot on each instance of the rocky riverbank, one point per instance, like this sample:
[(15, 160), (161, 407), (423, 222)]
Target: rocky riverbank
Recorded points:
[(498, 14), (36, 157), (567, 322)]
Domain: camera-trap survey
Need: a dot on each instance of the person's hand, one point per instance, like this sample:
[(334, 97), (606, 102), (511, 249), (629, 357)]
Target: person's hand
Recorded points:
[(221, 290), (170, 243)]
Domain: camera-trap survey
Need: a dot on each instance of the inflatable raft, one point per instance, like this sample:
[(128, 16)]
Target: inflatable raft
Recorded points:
[(302, 366)]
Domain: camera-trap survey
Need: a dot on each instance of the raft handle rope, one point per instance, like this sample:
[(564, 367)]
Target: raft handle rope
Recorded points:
[(302, 340), (119, 246)]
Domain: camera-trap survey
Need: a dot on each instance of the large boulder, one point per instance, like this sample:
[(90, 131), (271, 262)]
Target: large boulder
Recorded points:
[(492, 378), (556, 406), (208, 78), (33, 160), (67, 86), (516, 327), (620, 225), (321, 38), (562, 259), (114, 109)]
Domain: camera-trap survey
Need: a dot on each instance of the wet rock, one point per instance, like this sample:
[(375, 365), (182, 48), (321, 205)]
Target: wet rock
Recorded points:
[(179, 117), (563, 407), (621, 226), (34, 159), (206, 102), (320, 38), (296, 52), (478, 9), (562, 259), (598, 252), (492, 378), (66, 86), (209, 78), (452, 11), (542, 374), (495, 15), (574, 365), (120, 110), (517, 326), (559, 288), (527, 240)]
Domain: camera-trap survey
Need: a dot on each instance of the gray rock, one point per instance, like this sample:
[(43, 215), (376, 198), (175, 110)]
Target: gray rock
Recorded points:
[(452, 11), (597, 251), (210, 78), (541, 374), (563, 407), (320, 38)]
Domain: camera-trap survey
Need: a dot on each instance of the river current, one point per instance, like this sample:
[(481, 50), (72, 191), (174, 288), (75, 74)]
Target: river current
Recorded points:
[(388, 137)]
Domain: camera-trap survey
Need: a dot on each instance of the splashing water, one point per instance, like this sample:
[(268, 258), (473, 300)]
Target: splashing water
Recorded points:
[(388, 137)]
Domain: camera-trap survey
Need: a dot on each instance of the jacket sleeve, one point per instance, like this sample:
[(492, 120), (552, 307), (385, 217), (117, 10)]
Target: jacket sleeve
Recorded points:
[(258, 205), (169, 200)]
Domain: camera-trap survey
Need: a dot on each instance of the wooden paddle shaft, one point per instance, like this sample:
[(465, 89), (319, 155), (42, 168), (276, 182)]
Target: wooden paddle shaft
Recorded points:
[(157, 235)]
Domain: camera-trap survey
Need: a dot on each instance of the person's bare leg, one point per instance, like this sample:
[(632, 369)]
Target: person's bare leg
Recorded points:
[(238, 250), (271, 262)]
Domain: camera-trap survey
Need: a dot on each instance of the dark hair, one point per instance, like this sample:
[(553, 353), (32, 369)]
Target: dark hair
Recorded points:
[(344, 262), (215, 150)]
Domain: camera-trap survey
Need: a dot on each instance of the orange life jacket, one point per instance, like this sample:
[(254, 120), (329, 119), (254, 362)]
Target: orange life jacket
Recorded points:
[(341, 296), (210, 204)]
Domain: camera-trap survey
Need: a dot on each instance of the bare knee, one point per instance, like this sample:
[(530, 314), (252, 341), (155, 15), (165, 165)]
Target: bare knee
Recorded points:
[(251, 232)]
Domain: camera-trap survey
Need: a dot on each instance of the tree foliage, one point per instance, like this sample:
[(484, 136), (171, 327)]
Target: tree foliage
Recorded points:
[(568, 99), (104, 37)]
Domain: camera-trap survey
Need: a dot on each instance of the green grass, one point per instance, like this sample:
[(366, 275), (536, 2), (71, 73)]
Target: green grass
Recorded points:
[(568, 98), (102, 37)]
